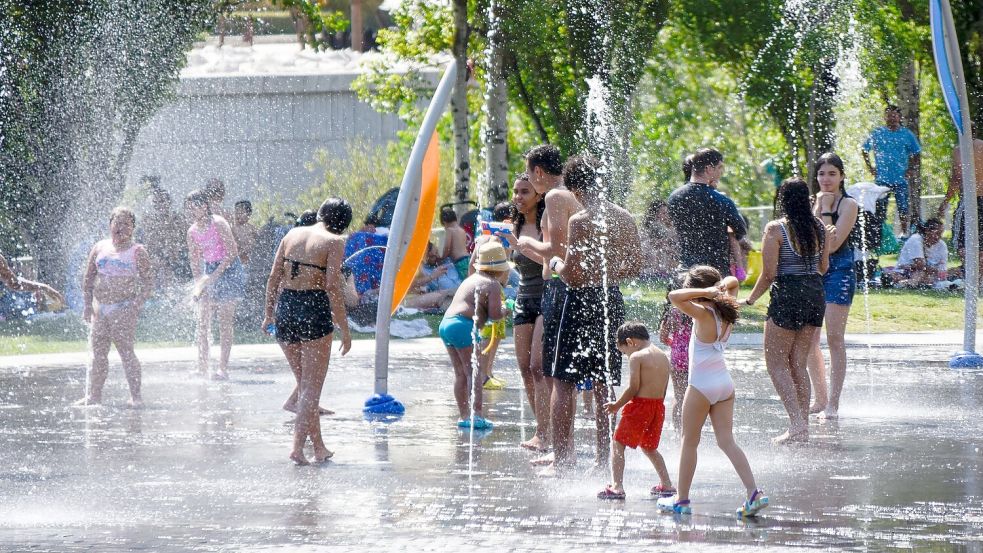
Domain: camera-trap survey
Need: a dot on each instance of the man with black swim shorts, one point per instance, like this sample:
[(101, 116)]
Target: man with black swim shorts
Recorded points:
[(603, 250)]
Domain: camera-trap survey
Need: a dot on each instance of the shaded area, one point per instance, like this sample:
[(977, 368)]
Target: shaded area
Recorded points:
[(204, 467)]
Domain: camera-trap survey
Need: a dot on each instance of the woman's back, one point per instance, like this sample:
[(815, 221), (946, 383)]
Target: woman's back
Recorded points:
[(790, 262), (307, 254)]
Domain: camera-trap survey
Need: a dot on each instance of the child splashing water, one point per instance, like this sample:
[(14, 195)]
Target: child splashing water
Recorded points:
[(644, 409), (477, 301), (711, 302)]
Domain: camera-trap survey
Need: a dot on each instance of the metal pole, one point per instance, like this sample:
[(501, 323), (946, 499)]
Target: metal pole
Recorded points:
[(970, 217), (404, 219)]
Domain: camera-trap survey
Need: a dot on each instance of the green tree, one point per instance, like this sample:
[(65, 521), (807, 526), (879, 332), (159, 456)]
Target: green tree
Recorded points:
[(785, 54)]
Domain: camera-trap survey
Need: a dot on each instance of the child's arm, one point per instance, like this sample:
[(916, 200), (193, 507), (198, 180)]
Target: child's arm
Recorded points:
[(635, 381), (496, 307), (683, 298), (730, 285)]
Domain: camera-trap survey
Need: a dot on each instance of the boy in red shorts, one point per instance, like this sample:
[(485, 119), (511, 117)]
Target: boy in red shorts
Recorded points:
[(644, 410)]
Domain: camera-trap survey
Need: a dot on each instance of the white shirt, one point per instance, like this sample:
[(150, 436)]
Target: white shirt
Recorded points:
[(936, 256), (866, 194)]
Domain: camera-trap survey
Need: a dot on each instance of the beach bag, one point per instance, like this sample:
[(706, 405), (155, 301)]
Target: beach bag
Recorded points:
[(754, 267), (889, 244)]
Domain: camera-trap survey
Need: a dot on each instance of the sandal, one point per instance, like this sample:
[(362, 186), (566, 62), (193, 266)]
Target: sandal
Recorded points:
[(754, 505), (609, 494), (670, 505), (663, 491)]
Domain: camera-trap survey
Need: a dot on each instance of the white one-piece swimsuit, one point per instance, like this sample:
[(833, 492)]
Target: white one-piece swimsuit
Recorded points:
[(707, 369)]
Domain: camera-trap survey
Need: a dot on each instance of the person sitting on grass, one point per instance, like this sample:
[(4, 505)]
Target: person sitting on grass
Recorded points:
[(923, 259), (644, 409), (455, 242), (477, 301)]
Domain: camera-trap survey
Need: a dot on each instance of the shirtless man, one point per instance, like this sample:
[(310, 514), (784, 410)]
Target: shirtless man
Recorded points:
[(603, 250), (544, 165), (955, 188), (455, 242), (244, 232)]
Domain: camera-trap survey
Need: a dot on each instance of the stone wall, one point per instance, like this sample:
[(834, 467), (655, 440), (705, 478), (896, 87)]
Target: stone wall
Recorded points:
[(256, 133)]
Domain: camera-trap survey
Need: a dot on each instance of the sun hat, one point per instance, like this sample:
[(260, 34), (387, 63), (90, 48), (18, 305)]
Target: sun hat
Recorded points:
[(492, 257)]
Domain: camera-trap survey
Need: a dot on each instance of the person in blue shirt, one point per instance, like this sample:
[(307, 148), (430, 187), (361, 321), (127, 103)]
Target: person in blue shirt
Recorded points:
[(897, 156)]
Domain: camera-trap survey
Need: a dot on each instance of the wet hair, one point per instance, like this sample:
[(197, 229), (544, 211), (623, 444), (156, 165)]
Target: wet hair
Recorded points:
[(198, 198), (892, 107), (652, 214), (501, 212), (246, 206), (829, 158), (933, 223), (215, 189), (688, 168), (122, 211), (519, 219), (705, 276), (792, 202), (546, 156), (336, 214), (580, 174), (307, 218), (705, 158), (632, 329), (447, 215)]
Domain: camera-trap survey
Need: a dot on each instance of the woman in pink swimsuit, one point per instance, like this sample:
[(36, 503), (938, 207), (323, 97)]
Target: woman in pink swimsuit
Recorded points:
[(219, 278), (118, 280)]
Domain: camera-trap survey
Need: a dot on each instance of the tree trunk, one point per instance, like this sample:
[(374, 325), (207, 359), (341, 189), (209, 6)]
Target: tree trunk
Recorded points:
[(822, 120), (357, 27), (459, 104), (496, 108), (908, 98)]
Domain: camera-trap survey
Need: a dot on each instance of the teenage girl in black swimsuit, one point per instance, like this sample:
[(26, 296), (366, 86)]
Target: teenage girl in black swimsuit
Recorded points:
[(306, 275)]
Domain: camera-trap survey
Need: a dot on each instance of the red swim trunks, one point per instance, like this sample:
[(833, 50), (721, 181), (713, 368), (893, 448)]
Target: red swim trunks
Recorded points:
[(641, 423)]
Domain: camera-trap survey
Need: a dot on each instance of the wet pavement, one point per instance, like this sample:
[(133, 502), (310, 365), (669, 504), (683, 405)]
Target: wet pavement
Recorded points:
[(204, 466)]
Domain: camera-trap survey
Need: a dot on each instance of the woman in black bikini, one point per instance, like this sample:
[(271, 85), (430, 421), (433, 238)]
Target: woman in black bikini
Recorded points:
[(306, 274)]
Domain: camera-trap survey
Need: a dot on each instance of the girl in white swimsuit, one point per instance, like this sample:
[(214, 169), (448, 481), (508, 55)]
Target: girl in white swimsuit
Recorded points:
[(710, 301)]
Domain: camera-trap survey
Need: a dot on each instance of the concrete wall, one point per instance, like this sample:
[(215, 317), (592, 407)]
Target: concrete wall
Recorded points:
[(256, 133)]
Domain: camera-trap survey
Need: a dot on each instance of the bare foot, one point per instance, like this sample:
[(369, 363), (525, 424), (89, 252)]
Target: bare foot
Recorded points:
[(299, 459), (534, 444), (829, 414), (292, 408), (543, 461), (88, 400), (549, 471), (800, 435), (817, 407), (322, 457), (220, 375), (598, 468), (135, 403)]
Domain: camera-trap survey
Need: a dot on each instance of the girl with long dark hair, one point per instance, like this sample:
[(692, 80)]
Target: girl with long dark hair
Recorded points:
[(837, 209), (794, 257), (527, 213)]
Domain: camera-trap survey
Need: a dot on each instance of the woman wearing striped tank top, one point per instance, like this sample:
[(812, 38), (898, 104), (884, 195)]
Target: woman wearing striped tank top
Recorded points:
[(794, 257)]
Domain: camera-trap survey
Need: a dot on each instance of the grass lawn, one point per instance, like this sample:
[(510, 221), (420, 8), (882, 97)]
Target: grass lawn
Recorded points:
[(173, 325)]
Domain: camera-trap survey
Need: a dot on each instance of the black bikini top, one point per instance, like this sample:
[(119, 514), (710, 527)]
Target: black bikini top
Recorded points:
[(295, 267)]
